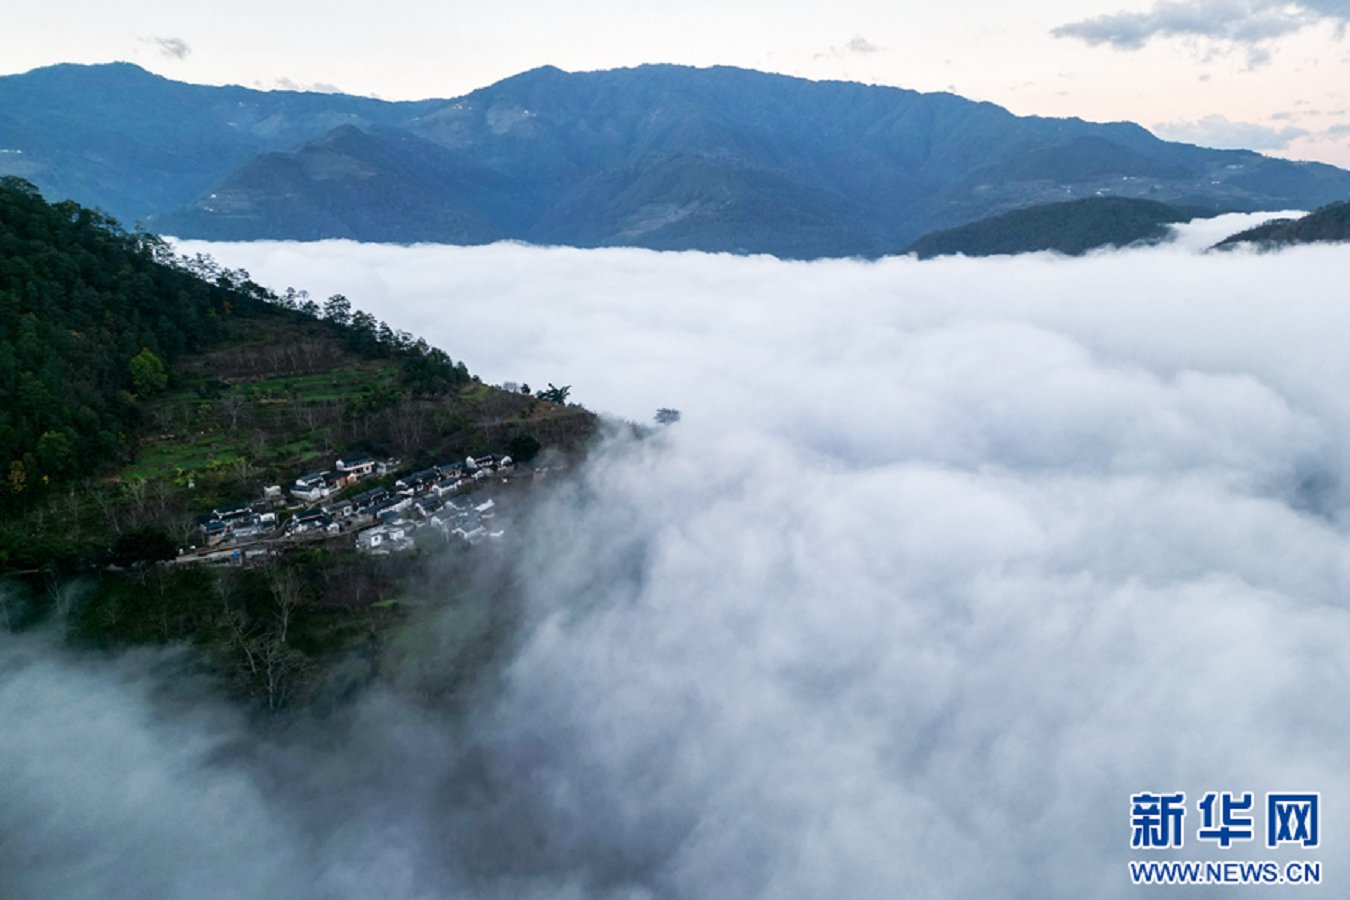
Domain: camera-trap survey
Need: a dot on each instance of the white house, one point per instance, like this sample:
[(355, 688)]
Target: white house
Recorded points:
[(384, 539), (358, 466), (311, 488)]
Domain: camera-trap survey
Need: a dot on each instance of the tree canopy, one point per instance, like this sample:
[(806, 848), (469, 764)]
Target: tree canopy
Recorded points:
[(93, 319), (89, 316)]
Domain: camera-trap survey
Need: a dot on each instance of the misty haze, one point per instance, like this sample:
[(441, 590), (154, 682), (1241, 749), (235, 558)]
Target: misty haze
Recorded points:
[(943, 561)]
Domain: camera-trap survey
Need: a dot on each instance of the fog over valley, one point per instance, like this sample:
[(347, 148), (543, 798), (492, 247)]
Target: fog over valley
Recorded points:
[(942, 563)]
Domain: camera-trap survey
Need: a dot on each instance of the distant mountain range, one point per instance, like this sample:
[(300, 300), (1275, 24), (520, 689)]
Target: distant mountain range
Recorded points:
[(659, 156)]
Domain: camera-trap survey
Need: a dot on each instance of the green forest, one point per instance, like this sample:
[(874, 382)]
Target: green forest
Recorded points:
[(1330, 223), (90, 318), (94, 321), (1073, 228)]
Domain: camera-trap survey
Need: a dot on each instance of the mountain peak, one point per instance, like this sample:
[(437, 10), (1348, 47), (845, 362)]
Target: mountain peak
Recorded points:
[(536, 76), (117, 70)]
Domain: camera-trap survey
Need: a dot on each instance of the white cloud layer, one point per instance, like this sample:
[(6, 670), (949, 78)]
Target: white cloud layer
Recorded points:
[(1218, 131), (943, 562)]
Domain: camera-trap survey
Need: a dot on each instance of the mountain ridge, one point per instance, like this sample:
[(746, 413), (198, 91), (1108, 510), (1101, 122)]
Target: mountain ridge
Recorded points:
[(662, 156)]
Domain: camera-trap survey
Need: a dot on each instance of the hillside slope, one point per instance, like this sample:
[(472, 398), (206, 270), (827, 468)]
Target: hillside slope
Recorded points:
[(1329, 224), (151, 410), (120, 139), (353, 184), (137, 389), (1072, 228)]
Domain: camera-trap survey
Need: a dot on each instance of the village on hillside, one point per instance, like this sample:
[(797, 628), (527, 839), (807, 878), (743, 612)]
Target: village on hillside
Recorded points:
[(382, 520)]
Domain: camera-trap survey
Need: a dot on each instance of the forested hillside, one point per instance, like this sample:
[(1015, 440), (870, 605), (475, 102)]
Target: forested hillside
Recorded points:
[(90, 320), (141, 393), (1072, 228), (137, 388), (93, 320), (1331, 223)]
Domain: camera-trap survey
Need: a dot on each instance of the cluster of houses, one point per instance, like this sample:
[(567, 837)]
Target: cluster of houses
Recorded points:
[(384, 518), (240, 522)]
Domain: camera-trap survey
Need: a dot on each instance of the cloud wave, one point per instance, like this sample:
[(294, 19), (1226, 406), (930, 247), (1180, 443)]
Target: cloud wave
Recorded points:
[(943, 561)]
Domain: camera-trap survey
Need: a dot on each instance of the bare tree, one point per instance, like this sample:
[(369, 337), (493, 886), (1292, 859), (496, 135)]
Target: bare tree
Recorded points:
[(70, 503), (59, 592), (163, 602), (162, 493), (241, 636), (257, 443), (182, 413), (281, 668), (104, 501), (288, 594), (243, 469), (185, 530), (137, 491), (408, 423), (233, 405), (267, 666)]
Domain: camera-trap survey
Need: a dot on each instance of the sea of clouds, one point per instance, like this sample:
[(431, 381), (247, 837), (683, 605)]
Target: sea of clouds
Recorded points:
[(945, 560)]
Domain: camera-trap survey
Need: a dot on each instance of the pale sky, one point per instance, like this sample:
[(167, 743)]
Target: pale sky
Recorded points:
[(1271, 76)]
